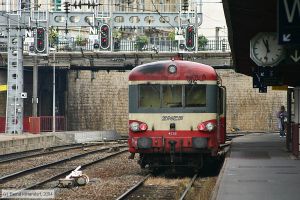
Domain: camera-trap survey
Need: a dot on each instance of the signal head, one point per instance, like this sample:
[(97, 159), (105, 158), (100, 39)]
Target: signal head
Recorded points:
[(190, 37), (104, 36), (40, 43)]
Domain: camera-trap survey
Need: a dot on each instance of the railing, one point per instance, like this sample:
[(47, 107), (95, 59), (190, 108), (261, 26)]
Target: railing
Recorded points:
[(2, 124), (153, 45), (45, 124), (25, 124)]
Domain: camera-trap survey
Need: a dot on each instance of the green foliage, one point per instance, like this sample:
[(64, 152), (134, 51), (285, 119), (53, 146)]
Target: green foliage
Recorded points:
[(53, 37), (117, 34), (171, 36), (80, 41), (202, 42), (141, 41)]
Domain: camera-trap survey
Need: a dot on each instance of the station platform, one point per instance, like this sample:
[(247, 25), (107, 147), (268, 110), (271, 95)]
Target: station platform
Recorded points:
[(24, 142), (259, 167)]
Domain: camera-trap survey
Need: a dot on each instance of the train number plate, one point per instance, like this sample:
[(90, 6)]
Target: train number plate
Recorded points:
[(172, 133)]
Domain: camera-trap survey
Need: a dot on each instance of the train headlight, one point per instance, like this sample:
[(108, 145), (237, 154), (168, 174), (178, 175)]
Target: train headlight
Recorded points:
[(210, 126), (172, 69), (207, 126), (137, 126), (134, 126), (143, 127)]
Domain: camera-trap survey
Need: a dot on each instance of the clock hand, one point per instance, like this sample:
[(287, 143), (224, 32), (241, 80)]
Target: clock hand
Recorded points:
[(266, 43)]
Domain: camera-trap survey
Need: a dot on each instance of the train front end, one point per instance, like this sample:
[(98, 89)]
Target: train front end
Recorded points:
[(174, 113)]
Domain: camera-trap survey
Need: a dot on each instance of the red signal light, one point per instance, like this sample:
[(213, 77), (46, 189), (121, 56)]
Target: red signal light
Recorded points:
[(190, 37), (104, 36), (40, 40)]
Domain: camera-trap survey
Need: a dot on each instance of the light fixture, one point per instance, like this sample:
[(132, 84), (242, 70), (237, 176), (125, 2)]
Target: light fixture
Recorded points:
[(172, 69)]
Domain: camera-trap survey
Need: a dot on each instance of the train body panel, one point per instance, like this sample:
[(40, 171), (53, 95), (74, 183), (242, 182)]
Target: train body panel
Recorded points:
[(162, 121), (176, 112), (185, 141), (160, 71)]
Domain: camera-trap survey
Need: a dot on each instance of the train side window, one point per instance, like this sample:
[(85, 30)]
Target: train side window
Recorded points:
[(221, 100), (149, 96), (171, 96), (195, 95)]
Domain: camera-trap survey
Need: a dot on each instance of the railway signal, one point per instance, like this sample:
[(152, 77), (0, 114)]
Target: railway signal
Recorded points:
[(104, 36), (190, 37), (96, 45), (31, 49), (40, 42)]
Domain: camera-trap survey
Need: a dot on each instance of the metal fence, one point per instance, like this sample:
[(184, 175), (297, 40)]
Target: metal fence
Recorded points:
[(153, 45), (46, 123)]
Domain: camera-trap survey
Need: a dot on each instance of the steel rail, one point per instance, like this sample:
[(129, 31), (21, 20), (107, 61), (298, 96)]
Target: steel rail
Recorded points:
[(41, 151), (59, 149), (188, 187), (6, 178), (36, 151), (133, 188), (69, 171)]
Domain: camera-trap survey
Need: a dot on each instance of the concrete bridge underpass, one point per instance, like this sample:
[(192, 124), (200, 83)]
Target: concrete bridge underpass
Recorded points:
[(117, 60)]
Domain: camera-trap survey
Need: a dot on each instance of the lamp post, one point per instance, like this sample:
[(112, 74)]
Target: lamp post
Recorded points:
[(218, 37), (53, 100)]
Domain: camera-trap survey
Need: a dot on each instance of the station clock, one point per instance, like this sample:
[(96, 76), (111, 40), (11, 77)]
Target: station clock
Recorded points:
[(265, 50)]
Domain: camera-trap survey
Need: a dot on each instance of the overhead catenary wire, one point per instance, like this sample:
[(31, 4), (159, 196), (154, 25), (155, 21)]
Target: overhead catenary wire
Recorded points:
[(161, 15)]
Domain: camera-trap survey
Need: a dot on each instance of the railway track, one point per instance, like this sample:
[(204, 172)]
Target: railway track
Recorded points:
[(40, 152), (155, 191), (37, 176), (31, 161)]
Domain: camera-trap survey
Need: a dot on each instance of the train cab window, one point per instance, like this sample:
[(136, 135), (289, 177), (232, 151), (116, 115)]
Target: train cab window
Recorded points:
[(195, 95), (149, 96), (171, 96)]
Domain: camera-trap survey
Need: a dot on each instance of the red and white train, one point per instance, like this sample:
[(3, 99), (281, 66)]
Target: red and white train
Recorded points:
[(176, 113)]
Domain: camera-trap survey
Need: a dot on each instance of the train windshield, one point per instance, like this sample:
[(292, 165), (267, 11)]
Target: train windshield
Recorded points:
[(171, 96), (195, 95), (149, 96)]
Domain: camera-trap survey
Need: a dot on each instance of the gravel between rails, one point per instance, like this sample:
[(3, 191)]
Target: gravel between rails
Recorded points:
[(113, 177), (108, 180), (163, 188), (26, 163), (30, 179)]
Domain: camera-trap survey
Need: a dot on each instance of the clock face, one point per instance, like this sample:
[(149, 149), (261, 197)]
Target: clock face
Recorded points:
[(265, 50)]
